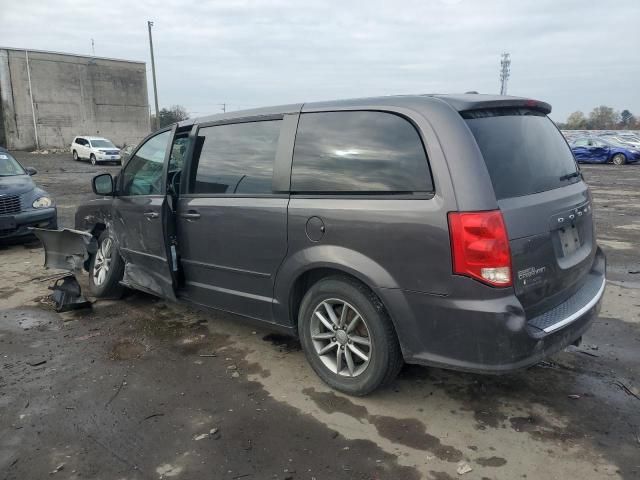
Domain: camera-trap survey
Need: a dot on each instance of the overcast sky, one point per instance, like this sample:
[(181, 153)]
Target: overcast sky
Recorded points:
[(573, 54)]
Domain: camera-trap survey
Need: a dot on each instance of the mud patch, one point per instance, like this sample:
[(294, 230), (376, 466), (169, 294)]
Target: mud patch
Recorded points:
[(27, 319), (539, 429), (409, 432), (330, 403), (412, 433), (256, 369), (440, 476), (491, 461), (6, 292), (127, 349), (284, 343)]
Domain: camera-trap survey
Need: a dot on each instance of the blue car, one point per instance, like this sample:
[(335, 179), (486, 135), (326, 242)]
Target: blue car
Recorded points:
[(601, 150), (22, 203)]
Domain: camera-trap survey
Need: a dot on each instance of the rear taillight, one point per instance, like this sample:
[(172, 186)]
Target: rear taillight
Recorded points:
[(480, 247)]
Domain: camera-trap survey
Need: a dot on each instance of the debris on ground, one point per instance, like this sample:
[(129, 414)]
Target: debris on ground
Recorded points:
[(36, 363), (213, 433), (574, 396), (67, 294), (626, 389), (122, 384), (57, 469), (463, 468)]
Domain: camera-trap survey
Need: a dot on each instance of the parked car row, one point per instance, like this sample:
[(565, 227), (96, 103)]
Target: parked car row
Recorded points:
[(618, 148)]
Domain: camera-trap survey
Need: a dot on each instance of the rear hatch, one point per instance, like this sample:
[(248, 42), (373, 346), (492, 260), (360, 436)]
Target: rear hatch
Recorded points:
[(545, 203)]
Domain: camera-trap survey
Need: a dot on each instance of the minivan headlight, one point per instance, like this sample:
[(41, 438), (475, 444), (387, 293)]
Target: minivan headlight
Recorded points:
[(42, 202)]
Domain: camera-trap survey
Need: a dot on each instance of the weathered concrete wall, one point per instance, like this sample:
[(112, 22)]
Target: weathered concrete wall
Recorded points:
[(72, 95)]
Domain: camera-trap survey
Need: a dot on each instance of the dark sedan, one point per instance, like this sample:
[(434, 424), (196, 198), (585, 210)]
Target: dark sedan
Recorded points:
[(22, 203), (601, 150)]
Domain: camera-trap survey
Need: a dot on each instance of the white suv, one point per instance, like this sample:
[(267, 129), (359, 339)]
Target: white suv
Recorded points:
[(95, 149)]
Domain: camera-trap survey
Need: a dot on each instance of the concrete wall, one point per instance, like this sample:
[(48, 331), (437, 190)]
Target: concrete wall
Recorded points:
[(72, 95)]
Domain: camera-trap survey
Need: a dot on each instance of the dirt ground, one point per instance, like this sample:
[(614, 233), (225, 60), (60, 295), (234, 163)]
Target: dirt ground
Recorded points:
[(144, 389)]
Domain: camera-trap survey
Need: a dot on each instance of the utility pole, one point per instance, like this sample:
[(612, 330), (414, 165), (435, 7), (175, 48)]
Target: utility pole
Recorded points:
[(505, 72), (93, 48), (153, 73), (224, 107)]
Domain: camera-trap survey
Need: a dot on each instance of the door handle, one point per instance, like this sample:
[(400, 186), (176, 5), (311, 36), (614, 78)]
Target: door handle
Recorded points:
[(190, 215), (151, 215)]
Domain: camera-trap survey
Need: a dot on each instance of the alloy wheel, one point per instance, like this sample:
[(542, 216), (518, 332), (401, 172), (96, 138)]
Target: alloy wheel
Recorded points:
[(102, 262), (341, 337)]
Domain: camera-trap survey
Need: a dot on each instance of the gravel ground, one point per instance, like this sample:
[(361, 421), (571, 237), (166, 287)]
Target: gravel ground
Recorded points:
[(144, 389)]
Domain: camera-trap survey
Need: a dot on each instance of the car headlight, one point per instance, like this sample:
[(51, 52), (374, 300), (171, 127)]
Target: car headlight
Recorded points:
[(42, 202)]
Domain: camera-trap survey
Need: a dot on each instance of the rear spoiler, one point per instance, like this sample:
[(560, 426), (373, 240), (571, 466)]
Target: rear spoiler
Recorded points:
[(483, 102)]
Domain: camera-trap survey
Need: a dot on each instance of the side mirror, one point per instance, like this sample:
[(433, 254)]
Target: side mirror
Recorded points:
[(102, 184), (31, 171)]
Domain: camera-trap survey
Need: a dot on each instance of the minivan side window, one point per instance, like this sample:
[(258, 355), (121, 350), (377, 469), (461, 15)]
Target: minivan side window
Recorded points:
[(236, 159), (358, 152), (143, 173)]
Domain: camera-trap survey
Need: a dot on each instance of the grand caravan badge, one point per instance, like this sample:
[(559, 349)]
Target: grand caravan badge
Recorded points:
[(531, 275)]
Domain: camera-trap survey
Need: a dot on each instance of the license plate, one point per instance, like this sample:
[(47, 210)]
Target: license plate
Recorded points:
[(113, 157), (7, 223), (569, 239)]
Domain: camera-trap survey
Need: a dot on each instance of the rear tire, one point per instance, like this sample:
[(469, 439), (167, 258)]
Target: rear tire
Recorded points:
[(106, 269), (619, 159), (93, 159), (75, 156), (354, 356)]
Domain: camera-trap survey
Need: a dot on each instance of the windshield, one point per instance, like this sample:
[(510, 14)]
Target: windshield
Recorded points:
[(102, 144), (524, 151), (9, 166)]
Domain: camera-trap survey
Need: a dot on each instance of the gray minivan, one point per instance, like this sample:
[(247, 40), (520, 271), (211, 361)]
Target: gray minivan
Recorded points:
[(446, 230)]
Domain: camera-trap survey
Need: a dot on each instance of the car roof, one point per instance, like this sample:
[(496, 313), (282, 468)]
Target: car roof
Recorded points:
[(459, 102), (89, 137)]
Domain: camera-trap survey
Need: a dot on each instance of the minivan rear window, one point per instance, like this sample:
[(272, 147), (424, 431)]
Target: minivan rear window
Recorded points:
[(523, 150)]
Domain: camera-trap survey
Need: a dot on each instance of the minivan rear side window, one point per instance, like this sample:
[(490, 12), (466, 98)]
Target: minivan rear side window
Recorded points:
[(236, 158), (358, 152), (524, 151)]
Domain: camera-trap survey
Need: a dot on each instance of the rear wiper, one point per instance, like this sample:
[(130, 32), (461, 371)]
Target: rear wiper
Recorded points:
[(571, 175)]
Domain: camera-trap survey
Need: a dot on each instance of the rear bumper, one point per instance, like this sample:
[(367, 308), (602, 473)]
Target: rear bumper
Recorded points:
[(43, 218), (486, 330)]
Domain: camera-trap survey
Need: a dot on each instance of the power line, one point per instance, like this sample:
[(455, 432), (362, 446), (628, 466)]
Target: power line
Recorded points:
[(505, 72)]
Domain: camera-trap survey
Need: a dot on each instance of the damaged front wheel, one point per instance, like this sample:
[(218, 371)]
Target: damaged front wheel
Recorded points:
[(106, 268)]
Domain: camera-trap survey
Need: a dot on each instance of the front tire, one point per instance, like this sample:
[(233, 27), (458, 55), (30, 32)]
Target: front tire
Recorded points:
[(619, 159), (75, 156), (347, 336), (93, 159), (106, 269)]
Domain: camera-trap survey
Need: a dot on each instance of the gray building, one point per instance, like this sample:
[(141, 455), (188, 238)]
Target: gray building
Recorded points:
[(47, 98)]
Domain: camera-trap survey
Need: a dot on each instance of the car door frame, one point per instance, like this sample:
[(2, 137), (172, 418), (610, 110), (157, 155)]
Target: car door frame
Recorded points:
[(280, 189), (149, 267)]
